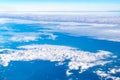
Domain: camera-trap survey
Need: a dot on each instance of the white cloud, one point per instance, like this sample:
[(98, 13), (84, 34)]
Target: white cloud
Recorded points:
[(114, 70), (106, 76), (102, 32), (22, 36), (6, 28), (99, 27), (25, 36), (78, 58), (31, 36)]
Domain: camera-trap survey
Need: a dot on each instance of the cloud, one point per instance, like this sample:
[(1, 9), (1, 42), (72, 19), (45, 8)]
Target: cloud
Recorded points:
[(114, 70), (108, 75), (97, 27), (25, 36), (100, 27), (78, 59), (105, 32)]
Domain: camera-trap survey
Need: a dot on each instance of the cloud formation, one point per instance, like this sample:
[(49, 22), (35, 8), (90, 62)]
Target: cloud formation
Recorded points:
[(109, 74), (97, 27), (78, 59)]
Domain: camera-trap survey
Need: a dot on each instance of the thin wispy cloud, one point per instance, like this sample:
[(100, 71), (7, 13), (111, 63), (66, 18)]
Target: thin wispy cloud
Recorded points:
[(97, 27)]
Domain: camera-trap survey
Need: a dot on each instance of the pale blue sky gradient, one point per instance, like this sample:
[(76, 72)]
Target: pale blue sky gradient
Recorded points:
[(59, 5), (86, 1)]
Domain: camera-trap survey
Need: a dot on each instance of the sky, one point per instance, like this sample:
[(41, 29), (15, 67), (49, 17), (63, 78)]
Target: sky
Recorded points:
[(59, 5)]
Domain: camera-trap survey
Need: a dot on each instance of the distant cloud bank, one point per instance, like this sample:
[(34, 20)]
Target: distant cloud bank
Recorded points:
[(98, 27)]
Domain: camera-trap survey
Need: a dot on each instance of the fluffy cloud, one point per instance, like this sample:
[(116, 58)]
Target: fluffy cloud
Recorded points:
[(108, 75), (78, 59)]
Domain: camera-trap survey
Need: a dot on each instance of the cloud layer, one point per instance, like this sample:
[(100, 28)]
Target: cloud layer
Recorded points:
[(98, 27)]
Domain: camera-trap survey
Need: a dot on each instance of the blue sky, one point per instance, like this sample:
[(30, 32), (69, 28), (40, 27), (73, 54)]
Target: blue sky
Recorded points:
[(59, 5), (86, 1)]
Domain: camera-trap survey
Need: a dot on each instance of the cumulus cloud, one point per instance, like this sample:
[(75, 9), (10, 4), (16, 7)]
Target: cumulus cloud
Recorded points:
[(108, 75), (78, 59), (114, 70)]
